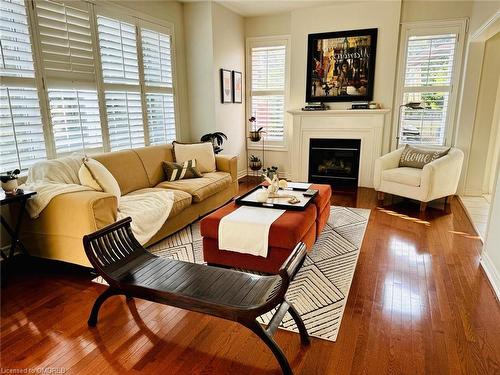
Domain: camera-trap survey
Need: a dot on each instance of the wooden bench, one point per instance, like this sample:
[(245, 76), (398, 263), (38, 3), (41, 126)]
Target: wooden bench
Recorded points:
[(132, 271)]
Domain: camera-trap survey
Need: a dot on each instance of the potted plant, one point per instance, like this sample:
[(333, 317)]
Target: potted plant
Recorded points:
[(270, 172), (217, 139), (255, 163), (255, 134), (9, 181)]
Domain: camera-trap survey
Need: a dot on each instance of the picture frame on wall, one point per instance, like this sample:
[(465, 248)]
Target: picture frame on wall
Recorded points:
[(341, 66), (226, 87), (237, 86)]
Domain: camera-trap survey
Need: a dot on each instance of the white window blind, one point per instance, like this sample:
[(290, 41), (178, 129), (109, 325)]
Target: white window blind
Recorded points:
[(124, 120), (428, 78), (268, 65), (66, 41), (15, 45), (75, 120), (158, 81), (22, 141), (21, 136), (118, 45)]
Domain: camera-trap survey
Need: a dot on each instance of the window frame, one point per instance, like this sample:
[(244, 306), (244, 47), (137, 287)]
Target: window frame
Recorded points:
[(39, 81), (268, 41), (456, 26)]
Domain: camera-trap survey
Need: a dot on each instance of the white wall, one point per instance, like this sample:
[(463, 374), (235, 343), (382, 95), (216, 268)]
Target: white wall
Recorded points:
[(215, 39), (229, 53), (491, 250), (483, 119)]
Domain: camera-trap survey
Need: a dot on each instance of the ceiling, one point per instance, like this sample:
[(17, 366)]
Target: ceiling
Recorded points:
[(253, 8)]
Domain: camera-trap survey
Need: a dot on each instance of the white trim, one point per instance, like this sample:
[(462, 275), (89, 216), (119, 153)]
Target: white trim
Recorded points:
[(486, 30), (491, 273), (458, 26), (261, 42), (242, 173)]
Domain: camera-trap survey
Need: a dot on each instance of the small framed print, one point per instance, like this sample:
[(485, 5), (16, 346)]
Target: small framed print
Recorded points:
[(237, 87), (226, 89)]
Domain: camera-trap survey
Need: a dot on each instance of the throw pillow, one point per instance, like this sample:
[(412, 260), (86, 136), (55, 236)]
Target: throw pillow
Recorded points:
[(175, 171), (103, 177), (414, 157), (203, 153), (86, 178)]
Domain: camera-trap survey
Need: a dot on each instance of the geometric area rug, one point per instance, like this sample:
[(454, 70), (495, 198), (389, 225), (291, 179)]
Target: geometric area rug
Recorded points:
[(319, 290)]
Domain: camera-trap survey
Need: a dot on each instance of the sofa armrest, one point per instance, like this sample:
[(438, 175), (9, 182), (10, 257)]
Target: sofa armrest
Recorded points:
[(440, 178), (227, 163), (77, 213), (387, 161)]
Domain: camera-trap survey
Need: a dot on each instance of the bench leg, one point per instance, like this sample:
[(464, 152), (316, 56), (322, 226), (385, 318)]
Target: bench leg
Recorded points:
[(304, 336), (271, 344), (98, 303)]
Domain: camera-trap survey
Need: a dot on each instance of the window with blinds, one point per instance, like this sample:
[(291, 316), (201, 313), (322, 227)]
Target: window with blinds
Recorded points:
[(22, 141), (267, 83), (428, 78), (158, 82)]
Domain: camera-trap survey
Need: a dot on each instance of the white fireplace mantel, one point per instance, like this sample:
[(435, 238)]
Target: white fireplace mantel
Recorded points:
[(364, 124)]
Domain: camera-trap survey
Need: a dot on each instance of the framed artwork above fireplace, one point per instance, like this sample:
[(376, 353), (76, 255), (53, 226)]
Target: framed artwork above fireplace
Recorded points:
[(341, 66)]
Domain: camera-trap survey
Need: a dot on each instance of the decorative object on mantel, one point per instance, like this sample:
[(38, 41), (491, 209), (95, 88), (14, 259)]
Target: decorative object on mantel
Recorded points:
[(409, 131), (255, 163), (226, 88), (9, 181), (217, 140), (315, 107), (360, 105), (341, 65), (237, 86)]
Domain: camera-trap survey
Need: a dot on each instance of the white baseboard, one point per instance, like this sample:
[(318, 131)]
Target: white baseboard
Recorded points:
[(491, 273), (242, 173)]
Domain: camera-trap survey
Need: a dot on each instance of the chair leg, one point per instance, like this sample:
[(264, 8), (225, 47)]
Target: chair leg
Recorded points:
[(98, 303), (380, 195), (304, 336), (271, 344)]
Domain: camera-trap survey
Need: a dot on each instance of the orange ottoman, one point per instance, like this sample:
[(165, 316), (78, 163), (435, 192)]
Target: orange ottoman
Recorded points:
[(289, 229), (322, 202)]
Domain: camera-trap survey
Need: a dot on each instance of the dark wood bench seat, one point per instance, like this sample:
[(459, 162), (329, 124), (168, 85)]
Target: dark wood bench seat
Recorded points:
[(229, 294)]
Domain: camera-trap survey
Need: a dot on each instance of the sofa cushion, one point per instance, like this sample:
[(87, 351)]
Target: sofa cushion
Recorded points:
[(152, 158), (404, 175), (201, 188), (127, 168), (182, 200), (203, 152)]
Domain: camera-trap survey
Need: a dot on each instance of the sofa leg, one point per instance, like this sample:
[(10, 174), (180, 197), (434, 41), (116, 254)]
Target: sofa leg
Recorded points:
[(423, 206), (380, 195)]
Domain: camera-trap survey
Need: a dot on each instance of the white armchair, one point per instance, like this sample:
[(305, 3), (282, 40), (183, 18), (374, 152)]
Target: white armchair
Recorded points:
[(437, 179)]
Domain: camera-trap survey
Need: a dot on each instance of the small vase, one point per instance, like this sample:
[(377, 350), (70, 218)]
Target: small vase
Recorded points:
[(255, 165), (255, 135)]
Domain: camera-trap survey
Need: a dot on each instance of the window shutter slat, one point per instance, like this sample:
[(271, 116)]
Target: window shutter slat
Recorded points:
[(124, 119), (161, 118), (66, 40), (156, 58), (16, 55), (21, 133), (75, 120), (118, 49)]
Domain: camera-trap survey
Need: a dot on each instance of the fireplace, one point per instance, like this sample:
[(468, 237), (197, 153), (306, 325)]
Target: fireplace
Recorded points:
[(334, 162)]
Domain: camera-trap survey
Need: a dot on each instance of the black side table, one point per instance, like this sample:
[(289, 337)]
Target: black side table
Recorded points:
[(21, 199)]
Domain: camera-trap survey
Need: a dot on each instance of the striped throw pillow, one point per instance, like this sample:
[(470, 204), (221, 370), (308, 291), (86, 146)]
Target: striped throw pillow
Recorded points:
[(174, 171)]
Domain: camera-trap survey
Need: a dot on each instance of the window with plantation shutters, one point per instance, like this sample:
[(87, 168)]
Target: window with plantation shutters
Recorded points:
[(428, 77), (267, 88), (69, 74), (158, 82), (22, 141)]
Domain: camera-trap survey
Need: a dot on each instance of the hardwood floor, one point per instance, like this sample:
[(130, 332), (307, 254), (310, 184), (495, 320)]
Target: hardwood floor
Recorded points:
[(419, 304)]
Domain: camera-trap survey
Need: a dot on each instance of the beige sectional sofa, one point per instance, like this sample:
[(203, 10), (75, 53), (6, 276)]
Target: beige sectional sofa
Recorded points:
[(57, 233)]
